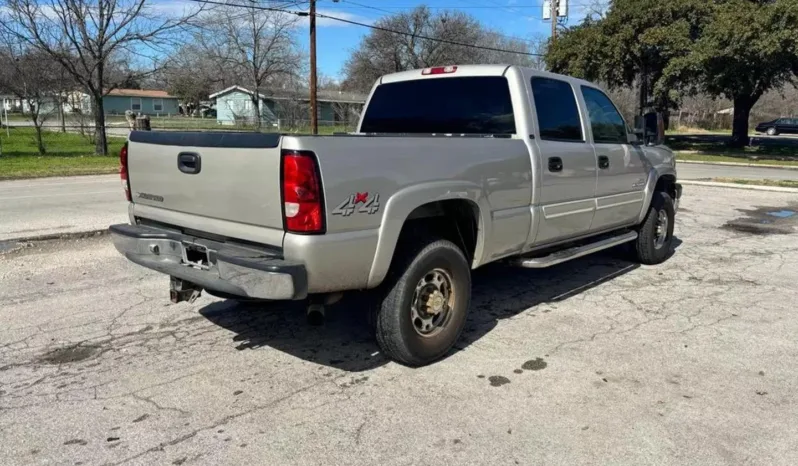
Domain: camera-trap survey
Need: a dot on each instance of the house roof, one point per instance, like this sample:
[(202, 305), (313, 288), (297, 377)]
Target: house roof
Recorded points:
[(302, 94), (141, 93)]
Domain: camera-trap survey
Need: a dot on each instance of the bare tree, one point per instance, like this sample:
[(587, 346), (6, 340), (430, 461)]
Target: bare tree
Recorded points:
[(32, 77), (259, 45), (86, 36), (424, 38), (190, 75)]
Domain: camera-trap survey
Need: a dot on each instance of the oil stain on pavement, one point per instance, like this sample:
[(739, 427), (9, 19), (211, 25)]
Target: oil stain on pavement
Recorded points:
[(766, 221)]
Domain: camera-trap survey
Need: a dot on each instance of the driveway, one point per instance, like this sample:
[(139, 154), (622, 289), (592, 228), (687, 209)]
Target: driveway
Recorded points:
[(597, 361)]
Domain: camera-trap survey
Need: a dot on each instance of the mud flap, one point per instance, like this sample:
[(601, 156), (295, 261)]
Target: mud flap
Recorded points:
[(181, 290)]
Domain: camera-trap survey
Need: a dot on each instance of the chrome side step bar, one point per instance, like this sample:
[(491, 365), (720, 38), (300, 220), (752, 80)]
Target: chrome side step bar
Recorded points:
[(577, 251)]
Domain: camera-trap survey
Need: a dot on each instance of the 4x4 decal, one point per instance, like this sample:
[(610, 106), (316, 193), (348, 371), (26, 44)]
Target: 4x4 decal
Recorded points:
[(358, 202)]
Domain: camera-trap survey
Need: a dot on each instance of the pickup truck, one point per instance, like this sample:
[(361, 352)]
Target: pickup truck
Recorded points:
[(451, 168)]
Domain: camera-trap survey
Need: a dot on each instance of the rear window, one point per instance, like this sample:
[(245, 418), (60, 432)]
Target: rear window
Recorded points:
[(473, 105)]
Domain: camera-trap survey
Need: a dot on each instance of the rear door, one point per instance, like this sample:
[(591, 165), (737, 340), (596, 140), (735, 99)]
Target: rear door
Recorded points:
[(622, 173), (568, 172), (227, 176)]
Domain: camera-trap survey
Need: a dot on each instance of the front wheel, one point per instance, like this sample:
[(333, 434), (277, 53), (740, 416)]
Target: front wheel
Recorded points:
[(655, 235), (772, 132), (425, 306)]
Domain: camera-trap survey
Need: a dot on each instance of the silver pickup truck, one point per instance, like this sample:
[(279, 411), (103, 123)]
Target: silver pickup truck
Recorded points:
[(451, 168)]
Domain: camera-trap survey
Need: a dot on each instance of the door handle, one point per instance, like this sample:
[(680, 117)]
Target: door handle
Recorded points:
[(555, 164), (603, 162), (189, 163)]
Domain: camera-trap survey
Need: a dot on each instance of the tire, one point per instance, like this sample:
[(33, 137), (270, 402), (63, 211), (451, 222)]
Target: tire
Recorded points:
[(402, 335), (772, 132), (650, 248)]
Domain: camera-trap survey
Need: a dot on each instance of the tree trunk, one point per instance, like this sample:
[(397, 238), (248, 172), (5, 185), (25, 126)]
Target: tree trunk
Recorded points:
[(742, 112), (100, 142), (61, 114), (257, 107), (39, 142)]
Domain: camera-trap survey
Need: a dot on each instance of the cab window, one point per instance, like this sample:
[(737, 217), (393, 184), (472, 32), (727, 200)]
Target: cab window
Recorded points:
[(558, 115), (605, 120)]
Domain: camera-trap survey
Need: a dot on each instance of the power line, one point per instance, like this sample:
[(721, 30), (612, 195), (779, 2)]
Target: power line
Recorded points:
[(370, 26), (508, 8), (360, 5)]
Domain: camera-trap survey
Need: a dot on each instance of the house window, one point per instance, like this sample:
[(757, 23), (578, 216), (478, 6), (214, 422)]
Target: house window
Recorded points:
[(157, 105), (135, 103)]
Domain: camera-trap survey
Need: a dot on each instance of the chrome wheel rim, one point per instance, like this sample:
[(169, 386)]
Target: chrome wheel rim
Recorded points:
[(661, 229), (432, 303)]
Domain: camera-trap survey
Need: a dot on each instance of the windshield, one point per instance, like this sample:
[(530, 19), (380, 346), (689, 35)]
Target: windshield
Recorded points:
[(468, 105)]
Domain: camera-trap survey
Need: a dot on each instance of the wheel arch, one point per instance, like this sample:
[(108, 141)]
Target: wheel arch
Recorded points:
[(420, 204), (659, 180)]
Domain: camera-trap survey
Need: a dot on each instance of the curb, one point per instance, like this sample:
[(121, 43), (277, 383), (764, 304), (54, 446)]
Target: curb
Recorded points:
[(12, 244), (735, 164), (749, 187)]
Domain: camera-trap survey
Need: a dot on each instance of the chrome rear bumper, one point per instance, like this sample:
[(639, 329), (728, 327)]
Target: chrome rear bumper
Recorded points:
[(230, 269)]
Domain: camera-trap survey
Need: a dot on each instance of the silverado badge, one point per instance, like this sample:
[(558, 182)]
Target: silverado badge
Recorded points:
[(360, 202)]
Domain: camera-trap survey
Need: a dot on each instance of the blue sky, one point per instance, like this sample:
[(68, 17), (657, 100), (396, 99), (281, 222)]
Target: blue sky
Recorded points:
[(335, 40)]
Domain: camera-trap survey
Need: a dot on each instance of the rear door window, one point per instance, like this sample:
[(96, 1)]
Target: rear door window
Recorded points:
[(467, 105), (558, 115)]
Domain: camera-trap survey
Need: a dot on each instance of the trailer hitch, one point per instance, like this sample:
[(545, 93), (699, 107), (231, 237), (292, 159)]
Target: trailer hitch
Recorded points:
[(181, 290)]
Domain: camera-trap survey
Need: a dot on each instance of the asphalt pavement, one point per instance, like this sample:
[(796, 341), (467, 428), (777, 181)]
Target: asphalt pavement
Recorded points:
[(596, 361), (698, 171), (46, 206)]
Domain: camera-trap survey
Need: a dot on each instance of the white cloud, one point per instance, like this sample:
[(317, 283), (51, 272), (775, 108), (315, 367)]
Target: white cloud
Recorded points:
[(172, 8), (327, 22)]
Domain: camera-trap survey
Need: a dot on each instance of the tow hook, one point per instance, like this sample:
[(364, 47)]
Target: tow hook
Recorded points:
[(182, 290)]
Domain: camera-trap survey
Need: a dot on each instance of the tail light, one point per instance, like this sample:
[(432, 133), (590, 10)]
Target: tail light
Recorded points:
[(123, 172), (303, 207)]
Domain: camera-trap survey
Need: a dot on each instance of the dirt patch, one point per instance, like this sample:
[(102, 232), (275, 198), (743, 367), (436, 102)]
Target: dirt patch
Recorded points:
[(766, 221)]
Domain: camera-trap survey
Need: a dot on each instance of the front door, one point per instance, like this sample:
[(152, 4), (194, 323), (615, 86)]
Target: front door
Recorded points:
[(568, 171), (622, 170)]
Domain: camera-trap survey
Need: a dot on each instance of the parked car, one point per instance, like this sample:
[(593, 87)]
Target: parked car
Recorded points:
[(779, 126), (451, 168)]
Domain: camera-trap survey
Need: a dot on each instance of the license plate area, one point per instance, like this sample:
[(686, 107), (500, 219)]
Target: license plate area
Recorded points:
[(196, 255)]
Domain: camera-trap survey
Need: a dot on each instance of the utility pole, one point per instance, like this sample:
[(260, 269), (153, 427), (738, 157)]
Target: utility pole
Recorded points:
[(553, 4), (314, 120)]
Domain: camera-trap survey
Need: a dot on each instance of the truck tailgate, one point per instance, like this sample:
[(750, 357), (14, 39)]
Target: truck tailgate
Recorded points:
[(221, 175)]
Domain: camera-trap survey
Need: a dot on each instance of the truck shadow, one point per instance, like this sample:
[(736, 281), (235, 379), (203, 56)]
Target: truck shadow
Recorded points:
[(346, 343)]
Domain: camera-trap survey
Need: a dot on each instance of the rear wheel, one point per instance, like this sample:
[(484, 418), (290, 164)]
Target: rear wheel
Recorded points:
[(425, 305), (655, 235)]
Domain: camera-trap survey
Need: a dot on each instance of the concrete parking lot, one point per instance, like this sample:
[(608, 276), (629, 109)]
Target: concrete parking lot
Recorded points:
[(598, 361)]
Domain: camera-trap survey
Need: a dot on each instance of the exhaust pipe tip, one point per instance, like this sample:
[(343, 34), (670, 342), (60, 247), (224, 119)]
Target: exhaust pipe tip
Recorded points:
[(315, 315)]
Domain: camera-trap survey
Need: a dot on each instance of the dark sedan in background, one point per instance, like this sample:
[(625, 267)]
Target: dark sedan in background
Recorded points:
[(779, 126)]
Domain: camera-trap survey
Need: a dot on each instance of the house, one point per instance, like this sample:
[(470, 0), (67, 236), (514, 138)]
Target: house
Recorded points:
[(281, 108), (144, 101), (13, 104)]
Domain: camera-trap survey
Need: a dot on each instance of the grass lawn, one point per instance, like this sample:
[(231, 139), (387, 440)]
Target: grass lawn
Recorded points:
[(67, 154), (779, 183)]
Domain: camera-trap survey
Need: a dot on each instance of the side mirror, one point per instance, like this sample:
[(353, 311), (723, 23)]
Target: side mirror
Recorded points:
[(650, 128)]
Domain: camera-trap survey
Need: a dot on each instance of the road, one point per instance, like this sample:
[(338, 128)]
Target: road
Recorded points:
[(119, 130), (32, 208), (45, 206), (597, 361), (696, 171)]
